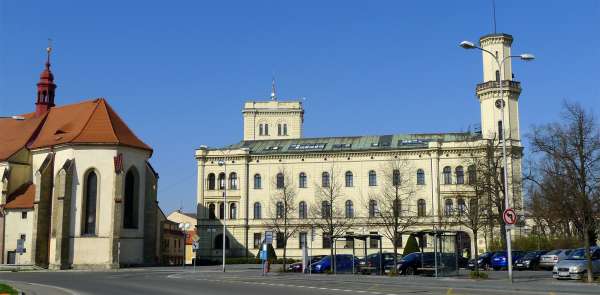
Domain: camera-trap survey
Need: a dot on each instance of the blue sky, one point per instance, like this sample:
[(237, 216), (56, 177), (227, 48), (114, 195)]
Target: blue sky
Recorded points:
[(179, 71)]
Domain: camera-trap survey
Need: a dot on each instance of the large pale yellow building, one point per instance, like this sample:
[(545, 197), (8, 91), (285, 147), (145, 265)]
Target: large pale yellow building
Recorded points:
[(246, 172)]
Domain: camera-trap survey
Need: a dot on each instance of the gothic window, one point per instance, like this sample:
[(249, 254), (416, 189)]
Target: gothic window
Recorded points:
[(421, 208), (396, 177), (221, 180), (448, 204), (131, 200), (372, 208), (211, 181), (280, 182), (302, 210), (349, 179), (232, 211), (420, 177), (349, 209), (257, 211), (233, 180), (302, 180), (279, 210), (257, 181), (325, 209), (447, 175), (372, 178), (460, 175), (325, 179), (211, 211), (89, 203)]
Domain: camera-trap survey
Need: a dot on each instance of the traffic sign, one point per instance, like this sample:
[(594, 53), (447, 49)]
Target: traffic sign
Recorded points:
[(269, 237), (509, 216), (195, 245)]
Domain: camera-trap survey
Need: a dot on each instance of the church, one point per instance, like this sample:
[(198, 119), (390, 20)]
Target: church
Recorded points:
[(76, 186), (237, 184)]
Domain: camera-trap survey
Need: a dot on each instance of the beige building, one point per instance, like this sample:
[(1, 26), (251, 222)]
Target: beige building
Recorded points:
[(180, 217), (76, 183), (171, 241), (247, 172)]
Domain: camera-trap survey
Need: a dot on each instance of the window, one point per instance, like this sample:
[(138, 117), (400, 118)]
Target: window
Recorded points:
[(24, 215), (131, 200), (349, 240), (326, 241), (372, 178), (472, 174), (221, 180), (500, 130), (232, 211), (302, 180), (349, 209), (257, 181), (280, 240), (302, 210), (325, 179), (257, 240), (396, 177), (461, 206), (285, 129), (280, 180), (448, 204), (372, 208), (349, 179), (420, 177), (279, 210), (302, 240), (211, 211), (279, 131), (474, 206), (211, 181), (374, 240), (397, 208), (233, 180), (89, 204), (266, 129), (460, 175), (261, 131), (421, 212), (497, 76), (325, 209), (447, 173), (257, 211), (221, 211)]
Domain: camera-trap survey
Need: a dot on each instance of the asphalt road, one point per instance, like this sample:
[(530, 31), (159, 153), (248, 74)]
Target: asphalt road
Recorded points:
[(243, 279)]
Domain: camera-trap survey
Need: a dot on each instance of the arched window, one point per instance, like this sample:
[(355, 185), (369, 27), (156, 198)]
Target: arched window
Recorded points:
[(372, 178), (257, 181), (497, 76), (396, 177), (472, 174), (448, 204), (325, 209), (280, 210), (257, 211), (420, 177), (325, 179), (397, 208), (219, 242), (211, 181), (89, 204), (280, 181), (421, 208), (302, 210), (131, 200), (461, 206), (221, 211), (460, 175), (221, 180), (302, 180), (372, 208), (349, 179), (211, 211), (233, 180), (349, 209), (232, 211), (447, 175), (261, 131)]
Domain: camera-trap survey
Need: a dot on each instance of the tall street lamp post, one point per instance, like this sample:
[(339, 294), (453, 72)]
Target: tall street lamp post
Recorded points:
[(224, 164), (184, 227), (500, 63)]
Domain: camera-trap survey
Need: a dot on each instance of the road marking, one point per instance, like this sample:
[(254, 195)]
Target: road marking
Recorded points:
[(449, 291)]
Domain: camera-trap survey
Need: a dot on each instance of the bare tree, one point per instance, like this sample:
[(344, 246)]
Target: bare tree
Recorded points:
[(571, 157), (386, 208), (282, 206)]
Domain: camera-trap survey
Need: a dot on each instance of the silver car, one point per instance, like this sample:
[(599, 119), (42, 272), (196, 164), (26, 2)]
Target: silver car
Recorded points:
[(548, 260), (575, 266)]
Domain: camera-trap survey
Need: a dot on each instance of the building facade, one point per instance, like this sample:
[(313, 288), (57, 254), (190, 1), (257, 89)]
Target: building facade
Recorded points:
[(251, 174), (180, 217)]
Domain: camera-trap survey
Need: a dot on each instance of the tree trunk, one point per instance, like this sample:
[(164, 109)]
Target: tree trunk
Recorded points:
[(588, 255), (476, 253)]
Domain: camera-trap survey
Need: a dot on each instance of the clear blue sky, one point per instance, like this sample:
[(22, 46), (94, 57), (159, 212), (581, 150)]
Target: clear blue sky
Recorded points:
[(179, 71)]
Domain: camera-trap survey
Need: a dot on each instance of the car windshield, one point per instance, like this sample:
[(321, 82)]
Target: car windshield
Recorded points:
[(553, 252), (578, 254)]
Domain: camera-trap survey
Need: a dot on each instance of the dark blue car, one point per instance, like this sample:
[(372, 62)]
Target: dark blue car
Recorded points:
[(343, 263), (500, 261)]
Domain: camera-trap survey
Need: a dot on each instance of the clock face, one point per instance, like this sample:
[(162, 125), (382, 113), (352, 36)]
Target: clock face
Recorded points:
[(499, 103)]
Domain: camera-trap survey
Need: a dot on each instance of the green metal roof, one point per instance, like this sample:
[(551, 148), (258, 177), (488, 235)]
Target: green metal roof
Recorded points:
[(352, 143)]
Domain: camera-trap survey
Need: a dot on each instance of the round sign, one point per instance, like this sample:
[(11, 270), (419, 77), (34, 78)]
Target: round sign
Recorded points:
[(509, 216)]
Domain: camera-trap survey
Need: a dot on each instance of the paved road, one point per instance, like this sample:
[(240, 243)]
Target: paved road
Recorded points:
[(247, 280)]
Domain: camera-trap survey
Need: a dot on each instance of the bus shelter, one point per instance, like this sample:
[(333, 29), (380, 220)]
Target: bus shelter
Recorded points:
[(444, 260)]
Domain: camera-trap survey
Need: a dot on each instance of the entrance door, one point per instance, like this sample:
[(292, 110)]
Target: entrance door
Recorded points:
[(11, 257)]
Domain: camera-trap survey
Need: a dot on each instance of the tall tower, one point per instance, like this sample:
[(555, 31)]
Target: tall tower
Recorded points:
[(489, 91), (273, 119), (45, 88)]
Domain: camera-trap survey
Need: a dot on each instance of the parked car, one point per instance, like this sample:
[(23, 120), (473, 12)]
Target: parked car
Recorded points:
[(372, 263), (484, 261), (410, 264), (575, 265), (297, 266), (343, 263), (530, 260), (548, 260), (425, 263), (500, 261)]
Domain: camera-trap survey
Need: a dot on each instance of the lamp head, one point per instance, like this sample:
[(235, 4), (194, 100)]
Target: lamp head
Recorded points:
[(467, 45), (527, 56), (221, 162)]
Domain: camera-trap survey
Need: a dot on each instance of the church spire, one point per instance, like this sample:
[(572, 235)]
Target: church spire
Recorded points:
[(45, 87)]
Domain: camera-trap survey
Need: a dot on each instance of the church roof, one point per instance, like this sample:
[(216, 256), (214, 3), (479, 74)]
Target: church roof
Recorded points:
[(22, 197), (15, 134), (351, 143)]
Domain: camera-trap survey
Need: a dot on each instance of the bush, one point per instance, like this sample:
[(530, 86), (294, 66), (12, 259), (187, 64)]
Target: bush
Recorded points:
[(478, 275), (6, 289), (534, 242), (411, 246)]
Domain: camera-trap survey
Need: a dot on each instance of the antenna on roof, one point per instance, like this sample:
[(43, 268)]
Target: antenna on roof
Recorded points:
[(273, 90), (494, 14)]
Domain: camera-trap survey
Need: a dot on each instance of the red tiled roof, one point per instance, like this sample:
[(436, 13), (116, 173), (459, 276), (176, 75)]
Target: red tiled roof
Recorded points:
[(15, 134), (22, 198)]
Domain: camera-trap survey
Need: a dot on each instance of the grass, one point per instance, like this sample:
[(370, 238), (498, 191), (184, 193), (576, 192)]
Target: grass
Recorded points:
[(6, 289)]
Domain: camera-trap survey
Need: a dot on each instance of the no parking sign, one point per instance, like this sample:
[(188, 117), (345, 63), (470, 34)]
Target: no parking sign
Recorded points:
[(509, 216)]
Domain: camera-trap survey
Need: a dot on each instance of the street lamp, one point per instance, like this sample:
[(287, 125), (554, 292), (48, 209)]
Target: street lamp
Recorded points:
[(18, 118), (224, 164), (500, 63), (184, 227)]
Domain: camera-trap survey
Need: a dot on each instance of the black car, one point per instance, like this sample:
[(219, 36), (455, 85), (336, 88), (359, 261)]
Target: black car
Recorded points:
[(484, 261), (372, 263), (531, 260)]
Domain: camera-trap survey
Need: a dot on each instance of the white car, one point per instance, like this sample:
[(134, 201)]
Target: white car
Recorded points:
[(549, 260), (575, 266)]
